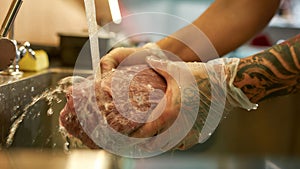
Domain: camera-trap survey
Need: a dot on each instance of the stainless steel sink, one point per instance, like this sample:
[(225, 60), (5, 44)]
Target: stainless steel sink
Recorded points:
[(37, 129)]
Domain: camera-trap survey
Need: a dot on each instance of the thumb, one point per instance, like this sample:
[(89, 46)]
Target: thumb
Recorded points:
[(171, 70), (159, 65), (165, 68)]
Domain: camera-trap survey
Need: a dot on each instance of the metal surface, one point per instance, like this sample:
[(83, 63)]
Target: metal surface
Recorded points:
[(8, 53), (96, 159), (14, 55), (10, 17), (38, 129)]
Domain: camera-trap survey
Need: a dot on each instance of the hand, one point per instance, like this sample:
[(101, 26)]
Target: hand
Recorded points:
[(130, 56), (114, 58), (215, 92), (179, 80)]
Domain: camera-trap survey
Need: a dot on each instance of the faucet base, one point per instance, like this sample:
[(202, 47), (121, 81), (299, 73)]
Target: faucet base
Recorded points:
[(12, 71)]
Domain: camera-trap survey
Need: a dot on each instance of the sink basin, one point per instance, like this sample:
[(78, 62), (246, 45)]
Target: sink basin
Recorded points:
[(38, 129)]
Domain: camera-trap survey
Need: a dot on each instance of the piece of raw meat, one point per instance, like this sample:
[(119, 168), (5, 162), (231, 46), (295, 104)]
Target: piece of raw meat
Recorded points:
[(134, 90)]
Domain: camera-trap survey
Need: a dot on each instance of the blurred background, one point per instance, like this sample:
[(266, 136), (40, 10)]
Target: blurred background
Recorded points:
[(41, 22)]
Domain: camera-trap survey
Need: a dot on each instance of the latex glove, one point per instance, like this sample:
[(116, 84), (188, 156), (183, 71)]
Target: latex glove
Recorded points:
[(202, 87), (129, 56), (114, 58)]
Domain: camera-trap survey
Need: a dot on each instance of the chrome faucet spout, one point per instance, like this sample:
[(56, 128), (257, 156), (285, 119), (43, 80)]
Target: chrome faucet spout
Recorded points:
[(8, 47), (10, 17)]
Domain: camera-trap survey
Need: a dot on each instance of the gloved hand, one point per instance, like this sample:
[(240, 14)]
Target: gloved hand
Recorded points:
[(198, 95), (115, 57)]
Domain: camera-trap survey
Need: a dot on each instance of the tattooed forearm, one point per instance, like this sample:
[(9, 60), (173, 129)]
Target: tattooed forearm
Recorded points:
[(271, 73)]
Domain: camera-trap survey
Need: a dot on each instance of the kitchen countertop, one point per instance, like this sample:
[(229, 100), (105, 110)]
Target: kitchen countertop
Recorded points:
[(6, 79), (90, 159)]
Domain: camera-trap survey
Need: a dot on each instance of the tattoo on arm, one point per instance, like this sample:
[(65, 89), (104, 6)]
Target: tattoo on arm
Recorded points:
[(273, 72)]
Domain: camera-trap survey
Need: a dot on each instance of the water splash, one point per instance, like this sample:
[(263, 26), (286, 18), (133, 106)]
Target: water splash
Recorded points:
[(50, 95)]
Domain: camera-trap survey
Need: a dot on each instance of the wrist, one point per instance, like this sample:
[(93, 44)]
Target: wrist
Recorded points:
[(235, 95), (190, 44), (178, 48)]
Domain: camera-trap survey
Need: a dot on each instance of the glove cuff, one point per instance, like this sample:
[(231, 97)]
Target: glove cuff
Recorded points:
[(235, 96), (225, 96)]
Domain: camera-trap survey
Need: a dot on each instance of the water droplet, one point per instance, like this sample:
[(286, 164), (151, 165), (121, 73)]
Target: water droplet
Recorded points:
[(48, 140), (16, 108), (58, 100), (48, 94), (50, 112), (254, 107), (13, 117), (67, 144)]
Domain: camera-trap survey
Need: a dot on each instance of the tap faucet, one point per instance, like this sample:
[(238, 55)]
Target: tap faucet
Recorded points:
[(9, 53), (24, 49), (10, 17)]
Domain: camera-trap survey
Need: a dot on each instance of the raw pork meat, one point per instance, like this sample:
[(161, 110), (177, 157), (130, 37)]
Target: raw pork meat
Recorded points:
[(112, 96)]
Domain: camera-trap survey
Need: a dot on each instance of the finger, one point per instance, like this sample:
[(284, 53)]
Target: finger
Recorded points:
[(152, 128), (168, 114), (155, 122), (107, 64), (148, 130), (171, 70), (190, 140), (114, 58), (159, 125), (160, 66)]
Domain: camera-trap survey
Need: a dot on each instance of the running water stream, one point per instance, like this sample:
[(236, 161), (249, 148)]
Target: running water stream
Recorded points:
[(93, 35)]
